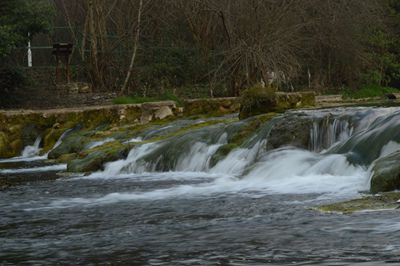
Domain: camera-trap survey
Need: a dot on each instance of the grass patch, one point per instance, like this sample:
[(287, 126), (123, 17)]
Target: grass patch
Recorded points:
[(137, 99), (368, 92)]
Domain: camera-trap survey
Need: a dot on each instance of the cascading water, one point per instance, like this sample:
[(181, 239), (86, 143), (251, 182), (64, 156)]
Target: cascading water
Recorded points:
[(31, 154), (328, 131), (326, 168)]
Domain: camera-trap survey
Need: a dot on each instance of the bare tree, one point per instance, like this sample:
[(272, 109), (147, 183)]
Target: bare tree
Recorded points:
[(135, 47)]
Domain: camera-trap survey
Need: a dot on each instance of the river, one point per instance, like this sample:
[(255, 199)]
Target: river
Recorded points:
[(252, 208)]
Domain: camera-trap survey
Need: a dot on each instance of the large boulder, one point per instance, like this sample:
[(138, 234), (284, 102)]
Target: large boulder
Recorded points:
[(386, 173), (292, 131), (72, 143), (261, 100)]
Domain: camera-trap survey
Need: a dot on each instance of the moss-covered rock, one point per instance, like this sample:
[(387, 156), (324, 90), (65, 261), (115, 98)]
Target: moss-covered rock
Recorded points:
[(211, 107), (240, 136), (21, 128), (293, 131), (261, 100), (94, 159), (4, 147), (65, 158), (386, 173), (50, 138), (366, 203), (73, 143), (10, 144), (256, 101)]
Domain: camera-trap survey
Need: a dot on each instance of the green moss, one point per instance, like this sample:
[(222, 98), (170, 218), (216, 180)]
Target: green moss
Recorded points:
[(73, 143), (222, 152), (256, 100), (211, 107), (65, 158), (4, 145), (240, 136), (187, 129), (259, 100), (369, 202), (386, 174), (51, 136), (94, 159)]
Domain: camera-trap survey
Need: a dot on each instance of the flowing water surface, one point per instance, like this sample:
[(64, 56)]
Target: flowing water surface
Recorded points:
[(165, 204)]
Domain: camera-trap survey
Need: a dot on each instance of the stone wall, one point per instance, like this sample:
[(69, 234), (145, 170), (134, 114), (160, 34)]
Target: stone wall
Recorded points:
[(20, 128)]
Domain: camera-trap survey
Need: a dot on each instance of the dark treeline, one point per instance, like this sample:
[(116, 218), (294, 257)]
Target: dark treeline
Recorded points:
[(138, 46)]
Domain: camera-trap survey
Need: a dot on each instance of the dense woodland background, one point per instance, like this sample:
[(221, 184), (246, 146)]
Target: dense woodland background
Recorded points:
[(147, 47)]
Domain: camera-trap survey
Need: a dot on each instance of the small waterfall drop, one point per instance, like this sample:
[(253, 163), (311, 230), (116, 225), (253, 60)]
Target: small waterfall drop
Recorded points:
[(31, 154), (32, 150), (328, 131), (133, 163)]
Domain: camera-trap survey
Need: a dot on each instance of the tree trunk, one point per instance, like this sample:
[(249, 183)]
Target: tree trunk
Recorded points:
[(135, 47)]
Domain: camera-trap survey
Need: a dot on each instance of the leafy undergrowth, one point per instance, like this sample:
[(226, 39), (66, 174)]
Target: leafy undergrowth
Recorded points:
[(367, 92)]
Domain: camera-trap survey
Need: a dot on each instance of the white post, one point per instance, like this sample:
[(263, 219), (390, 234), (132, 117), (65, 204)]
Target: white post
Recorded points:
[(29, 51)]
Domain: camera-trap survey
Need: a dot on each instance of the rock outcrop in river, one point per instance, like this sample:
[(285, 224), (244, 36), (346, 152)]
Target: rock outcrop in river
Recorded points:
[(352, 143)]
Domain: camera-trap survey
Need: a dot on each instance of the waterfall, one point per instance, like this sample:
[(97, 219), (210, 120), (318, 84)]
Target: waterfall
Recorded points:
[(29, 153), (328, 131), (199, 156), (32, 150)]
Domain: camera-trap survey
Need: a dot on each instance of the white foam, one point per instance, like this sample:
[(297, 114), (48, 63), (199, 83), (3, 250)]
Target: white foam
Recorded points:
[(151, 177), (23, 159), (57, 167), (292, 171), (134, 140), (287, 171)]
